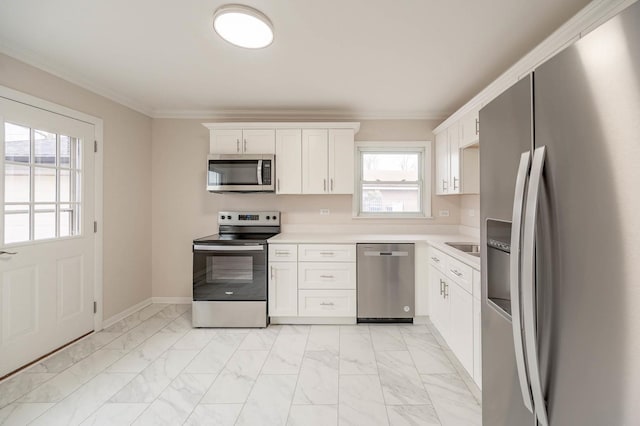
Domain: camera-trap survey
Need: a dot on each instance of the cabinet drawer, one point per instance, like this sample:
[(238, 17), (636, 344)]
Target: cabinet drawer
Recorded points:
[(283, 252), (327, 275), (327, 303), (460, 273), (437, 259), (327, 252)]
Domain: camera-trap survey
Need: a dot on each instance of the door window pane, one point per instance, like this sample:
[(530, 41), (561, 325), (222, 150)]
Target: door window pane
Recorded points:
[(44, 147), (17, 183), (17, 143), (390, 167), (65, 186), (65, 151), (16, 226), (390, 199), (44, 225), (44, 184)]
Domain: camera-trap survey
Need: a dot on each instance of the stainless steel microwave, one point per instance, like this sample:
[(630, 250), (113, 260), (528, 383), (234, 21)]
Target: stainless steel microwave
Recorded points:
[(241, 173)]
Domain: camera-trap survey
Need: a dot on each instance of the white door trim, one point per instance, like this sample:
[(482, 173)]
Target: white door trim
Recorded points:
[(98, 124)]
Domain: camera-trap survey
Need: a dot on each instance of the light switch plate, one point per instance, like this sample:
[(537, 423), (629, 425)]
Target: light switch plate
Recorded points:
[(324, 212), (444, 213)]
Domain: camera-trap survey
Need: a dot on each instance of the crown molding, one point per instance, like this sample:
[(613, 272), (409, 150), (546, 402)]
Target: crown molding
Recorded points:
[(589, 18), (31, 59), (297, 114)]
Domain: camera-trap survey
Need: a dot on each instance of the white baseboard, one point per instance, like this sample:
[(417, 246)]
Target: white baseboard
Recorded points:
[(122, 315), (421, 320), (314, 320), (172, 300)]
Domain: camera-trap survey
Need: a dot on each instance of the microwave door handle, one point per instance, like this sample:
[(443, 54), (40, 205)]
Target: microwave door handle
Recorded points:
[(515, 279), (529, 285), (259, 172)]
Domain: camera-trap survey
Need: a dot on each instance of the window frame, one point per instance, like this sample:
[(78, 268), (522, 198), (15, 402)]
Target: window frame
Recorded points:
[(424, 148)]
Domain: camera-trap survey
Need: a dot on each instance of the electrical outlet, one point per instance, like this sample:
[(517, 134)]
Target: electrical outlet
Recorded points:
[(444, 213), (324, 212)]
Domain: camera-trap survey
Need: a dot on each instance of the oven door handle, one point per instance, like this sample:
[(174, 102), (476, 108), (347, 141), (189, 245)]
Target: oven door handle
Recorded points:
[(202, 247)]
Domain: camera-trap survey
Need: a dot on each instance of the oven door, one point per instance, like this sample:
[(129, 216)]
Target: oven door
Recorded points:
[(240, 173), (230, 272)]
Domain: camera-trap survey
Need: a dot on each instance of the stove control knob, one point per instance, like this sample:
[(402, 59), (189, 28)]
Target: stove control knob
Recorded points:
[(222, 217), (268, 217), (274, 218), (228, 217)]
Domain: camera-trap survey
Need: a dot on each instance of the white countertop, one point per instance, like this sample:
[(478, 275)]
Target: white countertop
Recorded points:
[(435, 240)]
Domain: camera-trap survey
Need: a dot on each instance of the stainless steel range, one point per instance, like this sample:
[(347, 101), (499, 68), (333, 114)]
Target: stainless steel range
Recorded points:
[(230, 271)]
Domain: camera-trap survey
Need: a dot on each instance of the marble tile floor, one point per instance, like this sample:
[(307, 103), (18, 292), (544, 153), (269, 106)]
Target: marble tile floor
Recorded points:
[(153, 368)]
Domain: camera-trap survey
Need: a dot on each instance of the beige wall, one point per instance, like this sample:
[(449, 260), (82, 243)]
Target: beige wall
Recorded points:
[(127, 180), (183, 209), (470, 210)]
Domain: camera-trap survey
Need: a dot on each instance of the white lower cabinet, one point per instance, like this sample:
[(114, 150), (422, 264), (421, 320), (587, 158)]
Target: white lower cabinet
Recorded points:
[(317, 284), (452, 307), (283, 289), (477, 330)]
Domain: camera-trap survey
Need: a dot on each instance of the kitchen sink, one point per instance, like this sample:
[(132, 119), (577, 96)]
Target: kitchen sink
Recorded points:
[(469, 248)]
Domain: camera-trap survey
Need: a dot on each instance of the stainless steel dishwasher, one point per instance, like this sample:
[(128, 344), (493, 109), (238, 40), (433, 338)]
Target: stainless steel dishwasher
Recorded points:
[(386, 282)]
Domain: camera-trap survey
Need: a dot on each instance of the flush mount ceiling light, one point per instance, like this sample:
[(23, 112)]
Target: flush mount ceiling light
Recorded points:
[(243, 26)]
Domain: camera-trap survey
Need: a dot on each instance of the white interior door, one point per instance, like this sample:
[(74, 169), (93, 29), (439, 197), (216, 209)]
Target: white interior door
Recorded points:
[(46, 232)]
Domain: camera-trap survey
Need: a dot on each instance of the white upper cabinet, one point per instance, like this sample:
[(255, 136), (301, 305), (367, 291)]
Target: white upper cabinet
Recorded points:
[(457, 168), (470, 128), (239, 141), (341, 161), (327, 161), (442, 163), (288, 161), (315, 161), (454, 159)]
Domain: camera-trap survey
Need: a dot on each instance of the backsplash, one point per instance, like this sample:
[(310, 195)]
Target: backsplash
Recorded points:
[(470, 210)]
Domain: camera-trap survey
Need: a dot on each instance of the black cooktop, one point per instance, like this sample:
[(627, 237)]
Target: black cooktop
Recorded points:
[(231, 238)]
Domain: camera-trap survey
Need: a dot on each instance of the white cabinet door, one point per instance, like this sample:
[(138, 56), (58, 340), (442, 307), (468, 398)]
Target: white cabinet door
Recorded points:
[(283, 289), (461, 325), (341, 161), (288, 161), (438, 303), (477, 343), (224, 141), (469, 128), (454, 159), (315, 159), (259, 141), (442, 162)]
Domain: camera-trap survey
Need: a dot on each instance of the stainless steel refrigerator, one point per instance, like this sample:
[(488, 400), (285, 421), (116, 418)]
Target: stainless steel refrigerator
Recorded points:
[(560, 207)]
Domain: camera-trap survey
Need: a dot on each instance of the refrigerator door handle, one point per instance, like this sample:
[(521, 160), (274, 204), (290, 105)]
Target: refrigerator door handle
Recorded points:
[(514, 278), (528, 285)]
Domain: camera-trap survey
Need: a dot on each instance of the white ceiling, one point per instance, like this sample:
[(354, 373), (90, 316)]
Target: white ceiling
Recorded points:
[(356, 58)]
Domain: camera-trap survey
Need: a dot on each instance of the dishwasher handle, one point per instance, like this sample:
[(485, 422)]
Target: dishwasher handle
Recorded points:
[(386, 253)]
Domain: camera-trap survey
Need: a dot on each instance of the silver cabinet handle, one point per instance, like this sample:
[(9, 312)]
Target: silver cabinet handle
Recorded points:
[(477, 126), (444, 183), (441, 287), (326, 303), (446, 290), (456, 272), (245, 145), (529, 284), (331, 184), (324, 185), (237, 145), (327, 276), (273, 275), (435, 259), (282, 252), (514, 278), (455, 187), (327, 253), (8, 252), (278, 184)]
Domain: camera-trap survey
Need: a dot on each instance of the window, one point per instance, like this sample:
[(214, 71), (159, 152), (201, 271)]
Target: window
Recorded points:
[(391, 179), (41, 184)]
